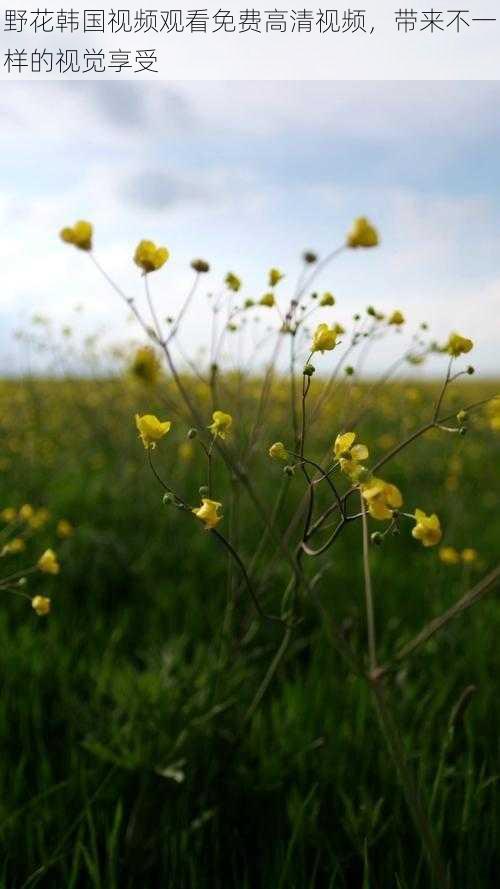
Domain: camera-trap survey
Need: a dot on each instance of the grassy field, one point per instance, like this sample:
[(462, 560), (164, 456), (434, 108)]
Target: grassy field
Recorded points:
[(134, 751)]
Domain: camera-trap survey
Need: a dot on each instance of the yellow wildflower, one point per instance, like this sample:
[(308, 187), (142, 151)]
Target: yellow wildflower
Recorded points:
[(64, 529), (362, 234), (39, 518), (494, 414), (458, 345), (8, 514), (41, 604), (449, 555), (381, 498), (233, 282), (80, 235), (324, 338), (48, 562), (267, 300), (149, 257), (221, 424), (396, 318), (327, 299), (185, 451), (26, 512), (349, 454), (278, 451), (145, 365), (469, 555), (427, 528), (209, 512), (275, 277), (151, 429), (14, 546)]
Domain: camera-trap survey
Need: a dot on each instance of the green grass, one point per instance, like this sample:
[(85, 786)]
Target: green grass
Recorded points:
[(126, 760)]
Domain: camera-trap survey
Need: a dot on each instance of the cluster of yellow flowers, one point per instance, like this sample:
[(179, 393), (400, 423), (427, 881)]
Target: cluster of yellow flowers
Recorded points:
[(451, 556), (47, 563), (152, 430), (382, 498), (148, 256)]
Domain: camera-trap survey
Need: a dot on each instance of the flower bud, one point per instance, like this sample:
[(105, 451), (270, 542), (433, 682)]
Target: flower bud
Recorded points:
[(308, 370), (309, 257), (168, 498), (203, 491), (200, 266), (376, 538), (288, 470), (349, 371), (192, 433), (470, 370), (462, 431), (461, 416)]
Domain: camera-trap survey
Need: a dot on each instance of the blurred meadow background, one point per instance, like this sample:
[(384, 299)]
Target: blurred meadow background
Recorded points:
[(142, 745)]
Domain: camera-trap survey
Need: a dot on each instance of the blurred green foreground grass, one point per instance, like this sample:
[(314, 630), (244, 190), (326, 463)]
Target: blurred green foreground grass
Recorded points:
[(126, 760)]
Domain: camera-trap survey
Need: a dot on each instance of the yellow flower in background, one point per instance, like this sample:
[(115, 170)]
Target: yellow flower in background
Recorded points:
[(469, 555), (327, 299), (209, 512), (362, 234), (48, 562), (41, 604), (494, 414), (278, 451), (349, 454), (449, 555), (267, 300), (149, 257), (458, 345), (14, 546), (64, 529), (151, 429), (232, 282), (8, 514), (26, 512), (145, 365), (427, 528), (381, 498), (396, 318), (80, 235), (221, 424), (185, 451), (39, 518), (275, 277), (324, 338)]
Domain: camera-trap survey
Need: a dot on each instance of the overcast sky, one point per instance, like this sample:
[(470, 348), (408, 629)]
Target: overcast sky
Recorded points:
[(247, 175)]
